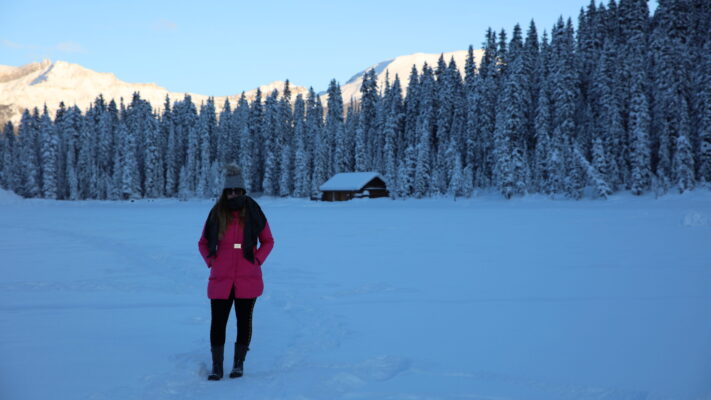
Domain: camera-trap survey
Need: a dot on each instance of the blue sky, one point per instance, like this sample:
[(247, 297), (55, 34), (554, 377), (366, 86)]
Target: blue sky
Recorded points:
[(224, 47)]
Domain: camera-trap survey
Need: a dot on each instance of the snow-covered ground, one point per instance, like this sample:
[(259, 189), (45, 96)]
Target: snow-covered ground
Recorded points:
[(368, 299)]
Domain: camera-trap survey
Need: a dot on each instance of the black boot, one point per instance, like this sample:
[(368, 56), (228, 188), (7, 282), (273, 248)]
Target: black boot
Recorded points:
[(240, 354), (218, 355)]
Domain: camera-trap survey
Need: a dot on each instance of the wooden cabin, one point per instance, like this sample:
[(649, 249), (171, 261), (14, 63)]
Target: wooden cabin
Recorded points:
[(353, 185)]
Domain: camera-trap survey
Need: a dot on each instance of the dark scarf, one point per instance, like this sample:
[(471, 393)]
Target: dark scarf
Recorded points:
[(255, 223)]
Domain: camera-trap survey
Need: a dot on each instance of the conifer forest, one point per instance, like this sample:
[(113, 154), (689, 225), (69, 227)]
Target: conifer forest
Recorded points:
[(619, 101)]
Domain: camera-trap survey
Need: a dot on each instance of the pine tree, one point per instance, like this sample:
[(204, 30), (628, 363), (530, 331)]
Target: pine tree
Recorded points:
[(425, 128), (407, 172), (301, 157), (366, 126), (86, 166), (314, 128), (608, 113), (456, 180), (640, 163), (154, 178), (28, 155), (335, 128), (204, 179), (412, 107), (600, 168), (129, 188), (485, 113), (9, 169), (575, 170), (171, 159), (704, 114), (50, 148), (285, 145), (251, 145), (224, 139), (184, 192), (270, 131), (243, 113), (683, 163), (389, 150)]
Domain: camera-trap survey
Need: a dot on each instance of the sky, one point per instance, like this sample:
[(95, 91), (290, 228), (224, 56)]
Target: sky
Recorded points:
[(222, 48)]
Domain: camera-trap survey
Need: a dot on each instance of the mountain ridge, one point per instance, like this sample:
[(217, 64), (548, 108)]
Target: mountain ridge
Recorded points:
[(49, 83)]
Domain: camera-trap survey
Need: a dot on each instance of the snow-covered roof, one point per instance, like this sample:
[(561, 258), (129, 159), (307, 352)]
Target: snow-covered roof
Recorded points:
[(349, 181)]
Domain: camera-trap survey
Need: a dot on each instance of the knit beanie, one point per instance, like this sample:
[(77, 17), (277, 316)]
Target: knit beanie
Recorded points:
[(233, 177)]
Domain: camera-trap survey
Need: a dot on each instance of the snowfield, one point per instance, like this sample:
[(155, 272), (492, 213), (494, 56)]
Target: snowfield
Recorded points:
[(368, 299)]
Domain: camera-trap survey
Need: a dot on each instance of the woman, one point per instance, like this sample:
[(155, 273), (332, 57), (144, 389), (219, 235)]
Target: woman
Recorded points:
[(229, 247)]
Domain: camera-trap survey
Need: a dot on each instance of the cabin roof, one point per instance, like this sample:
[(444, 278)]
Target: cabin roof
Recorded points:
[(349, 181)]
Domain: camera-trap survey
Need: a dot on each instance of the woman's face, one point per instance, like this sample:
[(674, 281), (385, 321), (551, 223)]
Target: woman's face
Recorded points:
[(232, 193)]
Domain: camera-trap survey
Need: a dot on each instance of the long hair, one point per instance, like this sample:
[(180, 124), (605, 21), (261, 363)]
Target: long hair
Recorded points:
[(223, 215)]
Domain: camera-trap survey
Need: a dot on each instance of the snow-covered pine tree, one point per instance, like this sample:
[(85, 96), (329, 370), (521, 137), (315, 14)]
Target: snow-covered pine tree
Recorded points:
[(683, 164), (217, 179), (425, 128), (223, 133), (171, 160), (564, 99), (531, 60), (390, 171), (192, 158), (510, 136), (211, 122), (335, 129), (314, 129), (412, 107), (447, 94), (456, 179), (638, 126), (7, 166), (351, 125), (593, 171), (270, 132), (253, 170), (105, 133), (366, 124), (50, 149), (485, 113), (704, 115), (204, 181), (184, 192), (608, 123), (301, 157), (407, 171), (28, 156), (397, 109), (243, 153), (86, 166), (71, 127), (575, 170), (601, 168), (129, 184), (154, 179), (286, 143), (470, 129)]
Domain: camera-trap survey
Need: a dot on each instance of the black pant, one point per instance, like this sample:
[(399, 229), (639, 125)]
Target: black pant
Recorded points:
[(221, 313)]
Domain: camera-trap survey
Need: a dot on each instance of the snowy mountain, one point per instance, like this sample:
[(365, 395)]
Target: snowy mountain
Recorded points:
[(401, 66), (46, 82), (50, 83)]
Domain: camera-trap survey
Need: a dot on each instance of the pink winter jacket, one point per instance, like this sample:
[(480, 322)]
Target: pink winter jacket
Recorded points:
[(230, 268)]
